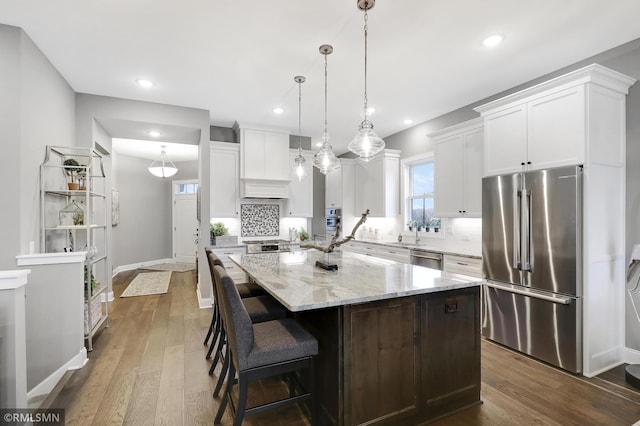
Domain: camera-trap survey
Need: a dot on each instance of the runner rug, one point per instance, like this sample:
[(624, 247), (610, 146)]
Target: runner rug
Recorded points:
[(146, 283)]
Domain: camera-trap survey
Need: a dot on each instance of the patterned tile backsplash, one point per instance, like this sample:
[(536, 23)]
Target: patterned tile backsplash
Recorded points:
[(260, 220)]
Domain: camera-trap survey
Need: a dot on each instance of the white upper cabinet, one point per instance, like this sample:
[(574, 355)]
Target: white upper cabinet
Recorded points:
[(333, 189), (300, 202), (264, 162), (547, 125), (377, 185), (224, 179), (458, 170)]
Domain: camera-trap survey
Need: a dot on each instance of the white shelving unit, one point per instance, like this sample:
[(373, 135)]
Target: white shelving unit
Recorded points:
[(88, 234)]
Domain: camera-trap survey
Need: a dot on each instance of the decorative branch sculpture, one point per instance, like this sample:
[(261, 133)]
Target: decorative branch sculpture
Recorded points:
[(335, 241)]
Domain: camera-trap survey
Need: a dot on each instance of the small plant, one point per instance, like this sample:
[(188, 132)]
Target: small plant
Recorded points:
[(411, 224), (434, 222), (94, 284), (303, 234), (71, 167), (78, 218), (218, 229)]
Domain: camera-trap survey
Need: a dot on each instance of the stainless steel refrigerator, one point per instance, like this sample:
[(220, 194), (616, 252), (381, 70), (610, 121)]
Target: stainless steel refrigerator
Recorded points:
[(532, 261)]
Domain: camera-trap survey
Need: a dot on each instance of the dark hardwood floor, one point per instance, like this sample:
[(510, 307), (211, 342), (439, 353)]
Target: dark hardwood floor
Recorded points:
[(149, 368)]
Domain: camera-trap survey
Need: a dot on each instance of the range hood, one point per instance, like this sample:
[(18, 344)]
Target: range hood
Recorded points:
[(264, 161)]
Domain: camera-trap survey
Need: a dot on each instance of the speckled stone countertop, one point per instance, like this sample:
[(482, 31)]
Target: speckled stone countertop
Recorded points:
[(293, 278)]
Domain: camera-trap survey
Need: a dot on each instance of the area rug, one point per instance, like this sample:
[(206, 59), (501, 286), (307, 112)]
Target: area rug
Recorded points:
[(177, 267), (146, 283)]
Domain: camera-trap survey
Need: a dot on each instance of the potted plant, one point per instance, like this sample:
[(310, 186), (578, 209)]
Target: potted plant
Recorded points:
[(435, 223), (71, 167), (78, 218), (216, 230), (411, 224), (303, 234)]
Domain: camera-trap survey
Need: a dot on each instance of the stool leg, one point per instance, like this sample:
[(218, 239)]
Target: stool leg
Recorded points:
[(211, 326), (312, 391), (226, 396), (242, 398), (218, 328), (221, 342), (225, 365)]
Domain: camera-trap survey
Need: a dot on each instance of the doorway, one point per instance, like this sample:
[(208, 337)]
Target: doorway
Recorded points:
[(185, 221)]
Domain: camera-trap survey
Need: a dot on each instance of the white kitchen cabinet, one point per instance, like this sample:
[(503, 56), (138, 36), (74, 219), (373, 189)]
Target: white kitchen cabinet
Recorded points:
[(577, 118), (547, 125), (470, 266), (264, 162), (398, 254), (300, 201), (234, 271), (224, 179), (458, 170), (377, 185), (333, 189)]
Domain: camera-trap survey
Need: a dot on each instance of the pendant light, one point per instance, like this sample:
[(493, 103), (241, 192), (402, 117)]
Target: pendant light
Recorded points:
[(366, 144), (325, 160), (163, 168), (299, 160)]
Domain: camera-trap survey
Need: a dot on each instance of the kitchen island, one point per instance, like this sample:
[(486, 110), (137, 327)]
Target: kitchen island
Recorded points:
[(398, 343)]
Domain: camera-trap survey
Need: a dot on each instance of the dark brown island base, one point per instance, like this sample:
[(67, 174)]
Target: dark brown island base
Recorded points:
[(398, 343)]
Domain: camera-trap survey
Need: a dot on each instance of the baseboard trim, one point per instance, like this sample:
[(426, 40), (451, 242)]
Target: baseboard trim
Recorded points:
[(48, 384), (203, 302), (132, 266), (631, 356)]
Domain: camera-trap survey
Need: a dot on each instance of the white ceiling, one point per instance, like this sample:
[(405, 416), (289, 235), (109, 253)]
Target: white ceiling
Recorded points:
[(238, 59)]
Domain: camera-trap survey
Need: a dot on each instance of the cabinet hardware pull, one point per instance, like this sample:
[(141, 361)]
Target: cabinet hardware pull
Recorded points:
[(463, 264)]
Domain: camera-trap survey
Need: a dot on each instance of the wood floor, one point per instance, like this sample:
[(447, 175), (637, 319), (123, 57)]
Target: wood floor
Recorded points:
[(149, 368)]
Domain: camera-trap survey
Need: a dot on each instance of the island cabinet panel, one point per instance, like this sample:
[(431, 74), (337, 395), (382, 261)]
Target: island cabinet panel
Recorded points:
[(381, 360), (451, 351)]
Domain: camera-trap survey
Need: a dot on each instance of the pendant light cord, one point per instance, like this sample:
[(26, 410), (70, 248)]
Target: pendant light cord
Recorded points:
[(325, 93), (366, 31), (299, 118)]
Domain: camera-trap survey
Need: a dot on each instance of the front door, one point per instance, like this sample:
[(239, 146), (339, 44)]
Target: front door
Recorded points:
[(185, 222)]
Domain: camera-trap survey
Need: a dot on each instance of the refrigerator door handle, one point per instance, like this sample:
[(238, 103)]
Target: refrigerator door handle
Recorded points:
[(527, 231), (561, 300), (517, 228)]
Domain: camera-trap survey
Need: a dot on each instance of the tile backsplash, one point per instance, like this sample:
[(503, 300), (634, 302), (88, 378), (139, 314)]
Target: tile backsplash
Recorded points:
[(260, 220)]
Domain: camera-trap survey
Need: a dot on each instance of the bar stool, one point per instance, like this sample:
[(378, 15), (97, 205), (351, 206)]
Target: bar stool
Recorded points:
[(245, 290), (261, 350), (260, 308)]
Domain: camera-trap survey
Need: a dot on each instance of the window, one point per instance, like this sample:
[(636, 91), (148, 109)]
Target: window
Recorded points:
[(419, 193), (187, 188)]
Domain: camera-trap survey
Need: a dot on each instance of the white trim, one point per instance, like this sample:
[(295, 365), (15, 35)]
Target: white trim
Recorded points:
[(107, 297), (132, 266), (51, 258), (631, 356), (174, 225), (11, 280), (46, 386), (203, 302)]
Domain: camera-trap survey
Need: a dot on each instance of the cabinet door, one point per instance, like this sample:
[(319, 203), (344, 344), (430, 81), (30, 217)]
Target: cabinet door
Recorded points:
[(557, 129), (505, 141), (449, 177), (473, 164), (224, 180), (265, 155), (333, 189), (300, 201)]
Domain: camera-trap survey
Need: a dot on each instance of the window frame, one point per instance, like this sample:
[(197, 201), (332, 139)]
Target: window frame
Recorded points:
[(407, 184)]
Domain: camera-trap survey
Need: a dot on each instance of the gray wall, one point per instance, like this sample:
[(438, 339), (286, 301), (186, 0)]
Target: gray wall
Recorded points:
[(624, 59), (36, 109), (92, 110)]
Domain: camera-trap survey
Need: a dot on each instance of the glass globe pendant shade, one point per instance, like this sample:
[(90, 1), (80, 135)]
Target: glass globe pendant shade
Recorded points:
[(366, 144), (325, 159), (299, 167), (163, 168)]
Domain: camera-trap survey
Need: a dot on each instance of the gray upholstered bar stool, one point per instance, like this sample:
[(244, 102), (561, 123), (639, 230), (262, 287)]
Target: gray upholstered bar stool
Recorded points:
[(266, 349), (260, 308), (245, 290)]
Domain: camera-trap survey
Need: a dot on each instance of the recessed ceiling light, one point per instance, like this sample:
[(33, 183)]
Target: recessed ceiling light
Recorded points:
[(144, 83), (492, 40), (278, 110), (154, 133), (408, 121)]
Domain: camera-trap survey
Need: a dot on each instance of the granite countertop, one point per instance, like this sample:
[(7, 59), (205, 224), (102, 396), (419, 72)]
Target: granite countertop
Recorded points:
[(294, 280), (444, 247)]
